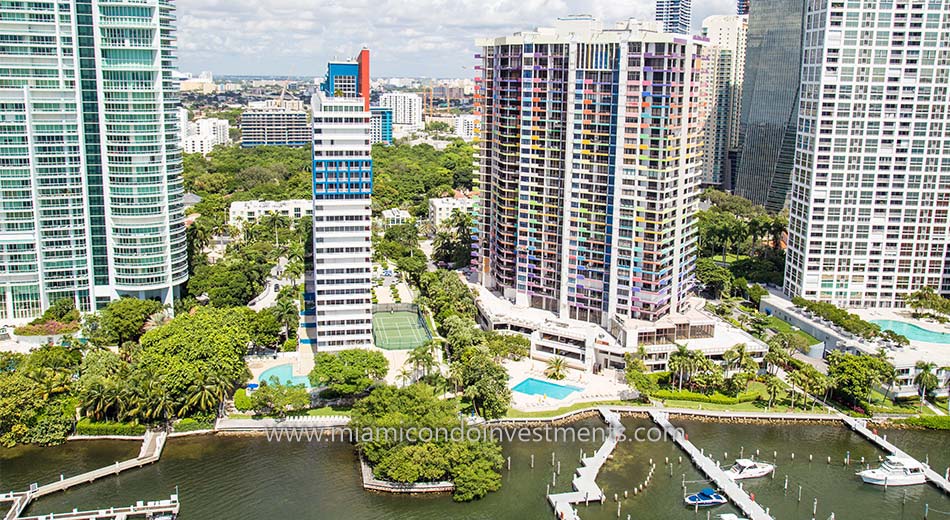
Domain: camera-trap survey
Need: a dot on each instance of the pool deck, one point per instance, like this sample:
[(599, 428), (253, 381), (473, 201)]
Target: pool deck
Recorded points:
[(938, 353), (594, 387)]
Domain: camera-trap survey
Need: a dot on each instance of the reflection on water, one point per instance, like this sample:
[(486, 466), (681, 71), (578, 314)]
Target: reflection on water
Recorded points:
[(250, 478)]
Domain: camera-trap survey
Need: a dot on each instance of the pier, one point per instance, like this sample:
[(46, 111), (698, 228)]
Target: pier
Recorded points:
[(860, 426), (141, 510), (725, 484), (152, 446), (585, 479)]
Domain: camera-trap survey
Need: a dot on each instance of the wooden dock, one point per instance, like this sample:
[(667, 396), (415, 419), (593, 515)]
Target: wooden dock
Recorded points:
[(585, 479), (141, 510), (860, 426), (725, 484), (151, 451)]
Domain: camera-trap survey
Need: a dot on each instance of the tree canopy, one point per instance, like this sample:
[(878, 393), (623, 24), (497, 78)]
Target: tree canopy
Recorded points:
[(348, 372), (472, 465)]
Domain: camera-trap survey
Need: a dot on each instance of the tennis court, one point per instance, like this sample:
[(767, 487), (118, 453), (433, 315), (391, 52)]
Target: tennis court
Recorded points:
[(399, 330)]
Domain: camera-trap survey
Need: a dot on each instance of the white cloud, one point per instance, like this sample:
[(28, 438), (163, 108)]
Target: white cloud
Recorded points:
[(406, 37)]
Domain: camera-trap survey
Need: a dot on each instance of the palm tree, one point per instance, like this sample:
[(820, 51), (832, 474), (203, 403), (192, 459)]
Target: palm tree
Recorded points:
[(925, 380), (678, 362), (556, 368), (157, 320), (404, 375), (423, 358), (285, 310), (774, 358), (772, 386), (799, 380)]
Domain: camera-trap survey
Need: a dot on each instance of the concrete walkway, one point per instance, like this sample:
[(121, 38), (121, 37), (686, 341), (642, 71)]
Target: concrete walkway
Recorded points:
[(728, 486), (585, 480), (268, 424)]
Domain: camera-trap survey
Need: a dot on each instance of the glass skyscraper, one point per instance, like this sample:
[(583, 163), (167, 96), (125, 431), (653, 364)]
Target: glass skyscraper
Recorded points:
[(769, 112), (90, 159)]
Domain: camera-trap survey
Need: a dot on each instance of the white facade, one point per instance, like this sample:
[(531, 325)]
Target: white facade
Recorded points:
[(871, 182), (90, 184), (407, 108), (341, 286), (206, 133), (249, 211), (466, 126), (441, 209), (727, 38), (395, 217)]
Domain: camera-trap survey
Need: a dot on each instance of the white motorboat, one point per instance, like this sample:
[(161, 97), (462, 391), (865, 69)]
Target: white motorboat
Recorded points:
[(730, 516), (748, 468), (895, 471)]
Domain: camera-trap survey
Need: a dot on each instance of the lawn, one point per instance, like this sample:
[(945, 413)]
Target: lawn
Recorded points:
[(782, 402), (518, 414), (783, 326)]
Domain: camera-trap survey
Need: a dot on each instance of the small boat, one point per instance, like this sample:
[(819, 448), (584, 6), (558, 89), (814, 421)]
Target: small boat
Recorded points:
[(730, 516), (748, 468), (705, 498), (895, 471)]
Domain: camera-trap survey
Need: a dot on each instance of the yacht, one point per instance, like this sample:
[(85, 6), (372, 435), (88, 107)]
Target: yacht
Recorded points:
[(748, 468), (705, 498), (895, 471)]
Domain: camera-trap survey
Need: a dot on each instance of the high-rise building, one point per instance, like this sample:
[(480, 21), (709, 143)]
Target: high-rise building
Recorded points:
[(590, 153), (675, 15), (382, 125), (726, 65), (743, 7), (406, 107), (338, 298), (204, 134), (762, 163), (275, 126), (90, 183), (871, 183), (349, 78)]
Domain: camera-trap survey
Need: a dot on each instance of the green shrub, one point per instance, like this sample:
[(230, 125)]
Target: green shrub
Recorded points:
[(716, 398), (189, 425), (290, 345), (931, 422), (88, 427), (241, 401)]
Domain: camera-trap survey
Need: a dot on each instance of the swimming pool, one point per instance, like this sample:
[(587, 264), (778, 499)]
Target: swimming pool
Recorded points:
[(913, 332), (532, 386), (284, 374)]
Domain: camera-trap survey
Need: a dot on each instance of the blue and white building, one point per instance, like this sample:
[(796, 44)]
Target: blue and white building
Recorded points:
[(338, 313), (675, 15)]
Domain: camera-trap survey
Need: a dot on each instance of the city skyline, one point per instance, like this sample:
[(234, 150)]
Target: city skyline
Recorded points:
[(247, 38)]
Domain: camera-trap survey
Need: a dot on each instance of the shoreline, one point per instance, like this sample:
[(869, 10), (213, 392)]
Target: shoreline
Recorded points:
[(639, 412)]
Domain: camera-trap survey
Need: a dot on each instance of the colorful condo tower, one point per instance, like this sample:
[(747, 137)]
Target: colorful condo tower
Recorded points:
[(589, 162), (338, 310)]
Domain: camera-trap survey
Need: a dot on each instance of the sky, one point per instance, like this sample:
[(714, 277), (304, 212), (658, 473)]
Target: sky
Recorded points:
[(419, 38)]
